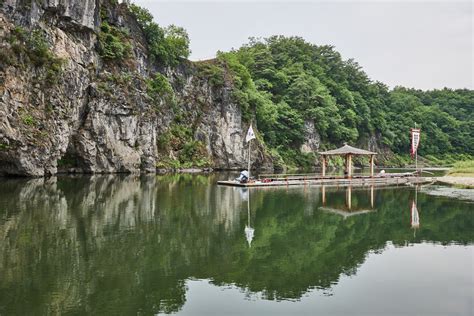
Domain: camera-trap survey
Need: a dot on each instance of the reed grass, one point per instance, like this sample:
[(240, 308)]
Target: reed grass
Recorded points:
[(462, 169)]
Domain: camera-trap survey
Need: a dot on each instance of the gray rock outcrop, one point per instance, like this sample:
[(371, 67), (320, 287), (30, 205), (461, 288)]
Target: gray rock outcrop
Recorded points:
[(94, 117), (312, 138)]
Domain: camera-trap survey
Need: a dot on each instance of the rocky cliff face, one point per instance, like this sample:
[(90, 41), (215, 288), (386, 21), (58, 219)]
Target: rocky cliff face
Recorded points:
[(312, 138), (62, 107)]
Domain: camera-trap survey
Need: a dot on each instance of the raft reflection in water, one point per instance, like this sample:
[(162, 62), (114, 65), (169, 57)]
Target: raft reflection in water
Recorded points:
[(348, 209), (122, 245)]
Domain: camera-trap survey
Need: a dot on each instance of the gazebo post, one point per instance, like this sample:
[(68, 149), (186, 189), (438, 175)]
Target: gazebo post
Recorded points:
[(349, 197), (323, 192), (372, 165), (324, 165), (349, 165), (372, 196), (346, 163)]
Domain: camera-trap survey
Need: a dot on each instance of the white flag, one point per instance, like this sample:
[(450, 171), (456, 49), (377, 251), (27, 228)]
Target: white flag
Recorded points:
[(250, 134), (249, 231)]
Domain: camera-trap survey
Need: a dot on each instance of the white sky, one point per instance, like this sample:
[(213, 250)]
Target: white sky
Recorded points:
[(422, 44)]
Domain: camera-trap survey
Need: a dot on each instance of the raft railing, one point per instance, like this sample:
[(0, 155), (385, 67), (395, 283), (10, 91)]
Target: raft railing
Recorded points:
[(317, 176)]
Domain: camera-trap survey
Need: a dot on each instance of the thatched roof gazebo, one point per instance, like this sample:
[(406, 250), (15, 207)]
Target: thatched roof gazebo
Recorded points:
[(347, 151)]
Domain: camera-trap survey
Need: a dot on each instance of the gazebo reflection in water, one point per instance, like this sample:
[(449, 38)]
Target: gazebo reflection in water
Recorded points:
[(332, 201)]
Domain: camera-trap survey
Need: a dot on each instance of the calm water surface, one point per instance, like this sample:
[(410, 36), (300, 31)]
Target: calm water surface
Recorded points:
[(180, 244)]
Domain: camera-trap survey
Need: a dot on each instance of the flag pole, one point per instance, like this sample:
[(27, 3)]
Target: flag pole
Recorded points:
[(248, 139), (248, 208), (416, 158), (249, 159)]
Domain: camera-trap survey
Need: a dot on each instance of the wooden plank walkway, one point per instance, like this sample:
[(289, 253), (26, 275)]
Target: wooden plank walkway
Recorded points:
[(354, 181)]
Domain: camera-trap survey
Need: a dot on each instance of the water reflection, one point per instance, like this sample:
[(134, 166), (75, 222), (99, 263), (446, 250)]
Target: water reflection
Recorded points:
[(348, 209), (415, 216), (249, 230), (122, 245)]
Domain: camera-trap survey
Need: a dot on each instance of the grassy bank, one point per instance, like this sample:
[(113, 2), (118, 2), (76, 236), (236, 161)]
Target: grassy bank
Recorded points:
[(463, 169), (444, 160)]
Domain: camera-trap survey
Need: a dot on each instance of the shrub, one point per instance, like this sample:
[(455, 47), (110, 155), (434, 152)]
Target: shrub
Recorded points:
[(175, 138), (113, 43), (294, 159), (28, 120), (212, 72), (166, 45), (159, 87), (190, 153), (4, 146), (195, 152), (35, 48)]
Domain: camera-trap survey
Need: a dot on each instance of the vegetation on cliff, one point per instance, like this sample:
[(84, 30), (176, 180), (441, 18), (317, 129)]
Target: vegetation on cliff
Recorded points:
[(31, 47), (113, 43), (168, 45)]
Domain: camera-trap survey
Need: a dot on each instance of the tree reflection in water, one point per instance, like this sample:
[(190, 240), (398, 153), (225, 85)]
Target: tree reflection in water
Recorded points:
[(127, 244)]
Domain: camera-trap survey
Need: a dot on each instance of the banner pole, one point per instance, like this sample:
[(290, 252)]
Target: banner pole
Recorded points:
[(416, 162), (416, 157)]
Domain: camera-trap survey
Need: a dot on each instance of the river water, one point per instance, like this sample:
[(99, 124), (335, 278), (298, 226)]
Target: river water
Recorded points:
[(147, 245)]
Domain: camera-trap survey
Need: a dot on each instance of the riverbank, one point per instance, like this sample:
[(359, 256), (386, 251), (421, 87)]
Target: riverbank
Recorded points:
[(465, 182), (462, 174), (451, 191)]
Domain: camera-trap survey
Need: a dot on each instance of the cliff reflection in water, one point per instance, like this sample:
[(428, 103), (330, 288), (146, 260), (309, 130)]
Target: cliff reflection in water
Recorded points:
[(110, 244)]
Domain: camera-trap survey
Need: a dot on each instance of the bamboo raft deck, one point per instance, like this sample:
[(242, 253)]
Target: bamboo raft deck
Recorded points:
[(302, 180)]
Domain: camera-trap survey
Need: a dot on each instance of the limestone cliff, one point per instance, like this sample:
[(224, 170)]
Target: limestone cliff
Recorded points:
[(63, 107)]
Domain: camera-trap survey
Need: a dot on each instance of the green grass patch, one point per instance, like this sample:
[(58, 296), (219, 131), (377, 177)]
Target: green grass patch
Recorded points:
[(4, 147), (462, 169), (28, 120)]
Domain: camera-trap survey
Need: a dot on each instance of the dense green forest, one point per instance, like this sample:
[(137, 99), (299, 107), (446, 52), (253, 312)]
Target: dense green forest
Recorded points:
[(284, 81), (281, 83)]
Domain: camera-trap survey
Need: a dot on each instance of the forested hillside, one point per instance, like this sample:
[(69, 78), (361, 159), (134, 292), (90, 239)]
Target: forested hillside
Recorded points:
[(285, 82)]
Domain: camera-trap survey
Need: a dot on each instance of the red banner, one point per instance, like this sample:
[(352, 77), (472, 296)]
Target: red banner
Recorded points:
[(415, 140), (415, 217)]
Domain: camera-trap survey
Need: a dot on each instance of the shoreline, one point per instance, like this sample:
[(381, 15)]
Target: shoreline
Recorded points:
[(419, 168), (451, 180), (466, 182)]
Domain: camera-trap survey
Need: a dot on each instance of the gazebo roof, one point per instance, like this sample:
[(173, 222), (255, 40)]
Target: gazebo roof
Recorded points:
[(346, 149)]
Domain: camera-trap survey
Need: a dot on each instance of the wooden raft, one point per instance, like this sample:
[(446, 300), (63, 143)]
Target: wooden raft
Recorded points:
[(388, 179)]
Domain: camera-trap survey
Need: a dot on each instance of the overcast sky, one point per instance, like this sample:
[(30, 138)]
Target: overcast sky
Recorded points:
[(421, 44)]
